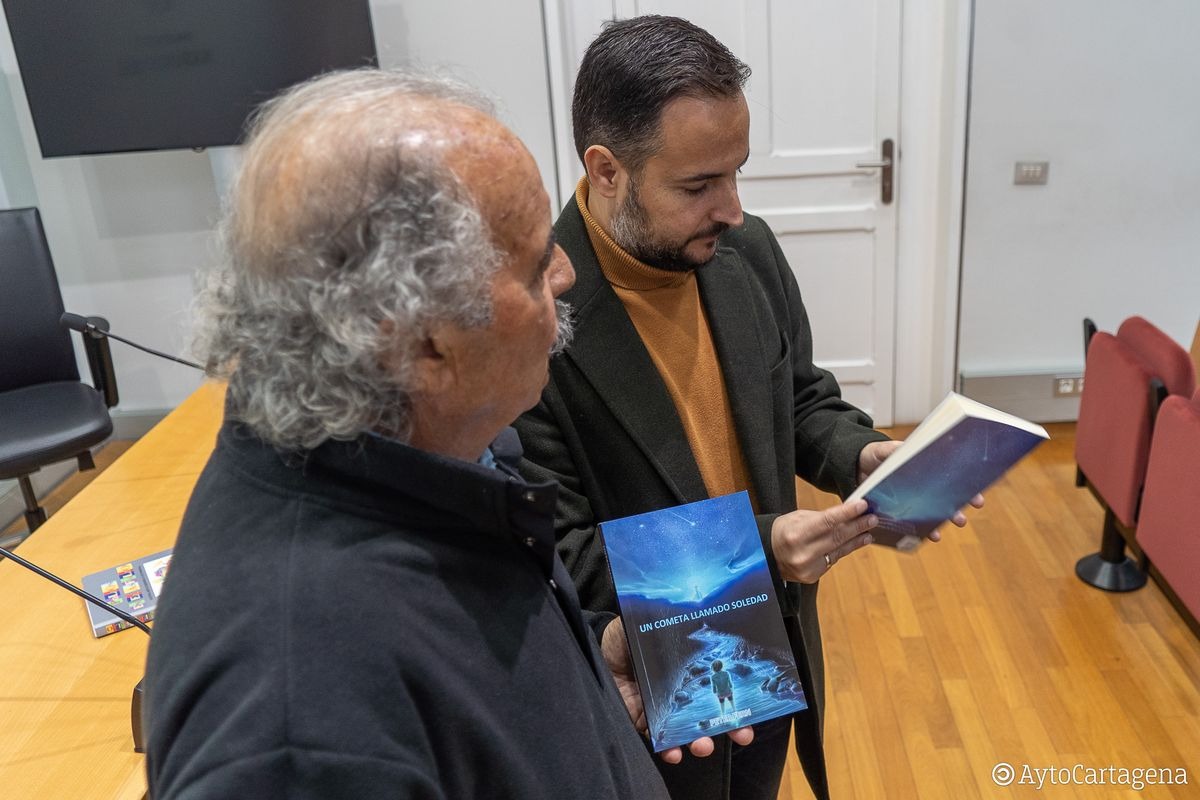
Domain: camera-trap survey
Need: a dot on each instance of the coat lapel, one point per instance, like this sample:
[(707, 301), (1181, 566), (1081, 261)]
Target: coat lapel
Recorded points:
[(737, 329), (610, 354)]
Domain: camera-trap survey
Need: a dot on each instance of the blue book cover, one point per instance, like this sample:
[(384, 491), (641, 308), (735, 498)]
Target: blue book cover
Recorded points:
[(705, 631), (960, 449)]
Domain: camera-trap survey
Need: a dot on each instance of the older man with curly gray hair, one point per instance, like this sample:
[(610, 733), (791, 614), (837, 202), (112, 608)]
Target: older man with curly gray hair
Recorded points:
[(365, 599)]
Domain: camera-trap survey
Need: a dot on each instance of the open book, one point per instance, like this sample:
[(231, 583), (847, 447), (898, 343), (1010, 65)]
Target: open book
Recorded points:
[(959, 450)]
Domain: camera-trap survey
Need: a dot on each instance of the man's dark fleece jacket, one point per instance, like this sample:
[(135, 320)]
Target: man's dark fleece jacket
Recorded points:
[(367, 620)]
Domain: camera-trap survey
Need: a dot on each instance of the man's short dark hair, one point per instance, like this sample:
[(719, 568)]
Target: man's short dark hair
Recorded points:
[(633, 69)]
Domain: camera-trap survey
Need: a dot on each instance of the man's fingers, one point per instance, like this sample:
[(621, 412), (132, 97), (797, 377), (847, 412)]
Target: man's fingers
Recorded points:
[(808, 543), (843, 512), (705, 746), (742, 736), (959, 518), (862, 540), (847, 533), (850, 520)]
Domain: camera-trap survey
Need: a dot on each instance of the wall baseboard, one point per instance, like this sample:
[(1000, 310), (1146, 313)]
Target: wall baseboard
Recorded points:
[(136, 424), (126, 425), (1030, 395)]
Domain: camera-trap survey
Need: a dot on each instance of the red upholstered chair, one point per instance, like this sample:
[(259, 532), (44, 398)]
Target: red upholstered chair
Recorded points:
[(1168, 530), (1126, 377)]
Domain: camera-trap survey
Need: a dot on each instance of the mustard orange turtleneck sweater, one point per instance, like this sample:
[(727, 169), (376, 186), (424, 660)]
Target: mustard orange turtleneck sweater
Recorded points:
[(666, 310)]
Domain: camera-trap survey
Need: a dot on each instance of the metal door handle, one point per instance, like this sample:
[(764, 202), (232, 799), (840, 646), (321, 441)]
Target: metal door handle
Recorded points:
[(885, 163)]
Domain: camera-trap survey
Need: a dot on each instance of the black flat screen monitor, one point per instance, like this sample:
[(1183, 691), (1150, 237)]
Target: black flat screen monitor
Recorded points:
[(112, 76)]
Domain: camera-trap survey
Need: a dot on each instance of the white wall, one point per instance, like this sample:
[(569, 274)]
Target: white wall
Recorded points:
[(1106, 92), (128, 231), (16, 182), (497, 47)]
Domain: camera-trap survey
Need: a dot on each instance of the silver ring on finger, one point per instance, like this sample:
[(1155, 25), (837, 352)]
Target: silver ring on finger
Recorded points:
[(828, 562)]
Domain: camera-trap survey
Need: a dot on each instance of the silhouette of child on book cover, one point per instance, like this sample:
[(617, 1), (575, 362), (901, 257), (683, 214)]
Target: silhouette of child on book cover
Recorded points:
[(722, 686)]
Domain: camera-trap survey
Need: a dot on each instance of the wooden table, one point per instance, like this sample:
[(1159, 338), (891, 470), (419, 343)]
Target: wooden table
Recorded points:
[(65, 696)]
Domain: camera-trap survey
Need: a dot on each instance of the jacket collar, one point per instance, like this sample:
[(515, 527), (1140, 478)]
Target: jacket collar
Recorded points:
[(609, 352), (381, 478)]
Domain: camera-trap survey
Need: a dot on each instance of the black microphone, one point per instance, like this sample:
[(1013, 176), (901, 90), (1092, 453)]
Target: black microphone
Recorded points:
[(135, 710), (97, 327)]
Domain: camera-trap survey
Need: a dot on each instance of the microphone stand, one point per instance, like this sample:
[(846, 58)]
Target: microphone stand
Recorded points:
[(97, 327), (135, 710)]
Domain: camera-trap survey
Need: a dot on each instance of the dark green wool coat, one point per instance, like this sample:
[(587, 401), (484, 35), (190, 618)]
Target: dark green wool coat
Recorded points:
[(607, 430)]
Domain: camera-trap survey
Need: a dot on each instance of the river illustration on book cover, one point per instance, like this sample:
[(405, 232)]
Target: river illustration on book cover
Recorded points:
[(705, 632)]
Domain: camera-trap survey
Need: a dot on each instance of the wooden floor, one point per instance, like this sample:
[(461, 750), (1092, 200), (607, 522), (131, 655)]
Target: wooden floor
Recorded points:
[(986, 649)]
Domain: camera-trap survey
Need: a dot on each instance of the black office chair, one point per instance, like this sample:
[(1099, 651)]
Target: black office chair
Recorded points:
[(46, 413)]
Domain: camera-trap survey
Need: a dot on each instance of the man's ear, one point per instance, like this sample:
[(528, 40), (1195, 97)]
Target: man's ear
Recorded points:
[(431, 368), (430, 360), (604, 170)]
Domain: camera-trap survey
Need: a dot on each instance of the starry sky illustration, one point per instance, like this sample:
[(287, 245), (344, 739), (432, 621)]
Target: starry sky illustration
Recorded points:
[(684, 554), (943, 477)]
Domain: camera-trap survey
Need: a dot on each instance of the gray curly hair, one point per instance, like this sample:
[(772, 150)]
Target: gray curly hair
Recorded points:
[(345, 238)]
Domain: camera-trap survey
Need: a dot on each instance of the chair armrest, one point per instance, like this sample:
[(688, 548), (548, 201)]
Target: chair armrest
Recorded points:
[(99, 357)]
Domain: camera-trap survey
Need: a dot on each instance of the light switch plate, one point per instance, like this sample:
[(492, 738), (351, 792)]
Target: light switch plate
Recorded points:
[(1031, 173)]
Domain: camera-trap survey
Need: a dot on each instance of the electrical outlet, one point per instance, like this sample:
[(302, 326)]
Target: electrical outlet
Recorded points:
[(1068, 386)]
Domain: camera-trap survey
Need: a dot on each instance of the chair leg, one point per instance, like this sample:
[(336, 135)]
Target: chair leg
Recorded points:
[(1110, 569), (35, 515)]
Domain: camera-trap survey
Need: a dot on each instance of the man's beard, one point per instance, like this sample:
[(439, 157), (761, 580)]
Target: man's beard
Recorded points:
[(631, 229), (566, 327)]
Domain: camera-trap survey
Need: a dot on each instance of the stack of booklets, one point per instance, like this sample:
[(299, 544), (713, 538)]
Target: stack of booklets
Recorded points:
[(134, 587)]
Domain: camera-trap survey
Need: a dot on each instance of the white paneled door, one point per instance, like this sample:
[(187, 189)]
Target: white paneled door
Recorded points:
[(824, 100)]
